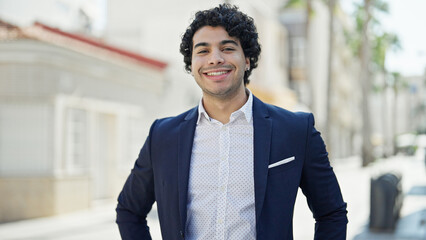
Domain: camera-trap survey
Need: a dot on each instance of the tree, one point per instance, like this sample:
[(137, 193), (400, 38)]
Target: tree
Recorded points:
[(382, 43), (371, 50), (365, 52)]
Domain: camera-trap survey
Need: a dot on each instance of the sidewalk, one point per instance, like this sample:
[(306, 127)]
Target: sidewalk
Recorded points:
[(412, 223), (98, 222), (95, 223), (355, 185)]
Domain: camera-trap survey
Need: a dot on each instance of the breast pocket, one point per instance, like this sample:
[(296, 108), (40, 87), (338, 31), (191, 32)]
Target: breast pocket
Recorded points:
[(281, 165)]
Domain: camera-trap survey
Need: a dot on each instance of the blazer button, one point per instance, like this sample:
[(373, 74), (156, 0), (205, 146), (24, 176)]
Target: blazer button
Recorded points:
[(182, 234)]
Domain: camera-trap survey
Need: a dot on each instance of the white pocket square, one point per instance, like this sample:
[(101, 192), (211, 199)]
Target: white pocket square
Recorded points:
[(284, 161)]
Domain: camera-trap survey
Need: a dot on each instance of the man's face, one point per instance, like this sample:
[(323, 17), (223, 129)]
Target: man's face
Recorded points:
[(218, 62)]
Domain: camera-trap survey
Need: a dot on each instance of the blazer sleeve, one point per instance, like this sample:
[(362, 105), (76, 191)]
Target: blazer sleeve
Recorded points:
[(320, 186), (136, 199)]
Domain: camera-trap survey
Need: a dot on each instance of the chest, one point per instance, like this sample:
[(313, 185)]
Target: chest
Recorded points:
[(222, 156)]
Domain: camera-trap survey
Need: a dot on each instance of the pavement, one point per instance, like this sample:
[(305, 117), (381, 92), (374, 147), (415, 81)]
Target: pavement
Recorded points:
[(98, 221)]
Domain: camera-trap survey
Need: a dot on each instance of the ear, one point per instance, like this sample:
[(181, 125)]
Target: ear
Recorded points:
[(247, 63), (190, 70)]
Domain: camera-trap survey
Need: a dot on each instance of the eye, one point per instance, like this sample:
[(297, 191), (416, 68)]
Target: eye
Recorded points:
[(228, 49), (202, 51)]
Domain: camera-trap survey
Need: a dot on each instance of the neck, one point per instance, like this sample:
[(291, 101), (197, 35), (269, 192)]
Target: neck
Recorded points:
[(221, 109)]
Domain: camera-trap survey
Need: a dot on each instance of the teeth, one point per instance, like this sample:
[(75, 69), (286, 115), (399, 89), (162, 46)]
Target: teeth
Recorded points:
[(216, 73)]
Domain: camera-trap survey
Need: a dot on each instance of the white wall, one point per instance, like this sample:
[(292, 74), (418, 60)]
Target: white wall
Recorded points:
[(25, 139)]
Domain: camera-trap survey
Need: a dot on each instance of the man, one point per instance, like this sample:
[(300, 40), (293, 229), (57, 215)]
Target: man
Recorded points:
[(231, 167)]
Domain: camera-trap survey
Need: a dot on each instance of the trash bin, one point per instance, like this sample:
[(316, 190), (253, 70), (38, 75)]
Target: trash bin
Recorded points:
[(385, 201)]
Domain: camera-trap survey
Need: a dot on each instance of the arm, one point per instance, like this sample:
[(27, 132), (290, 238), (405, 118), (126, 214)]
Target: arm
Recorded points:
[(320, 186), (136, 198)]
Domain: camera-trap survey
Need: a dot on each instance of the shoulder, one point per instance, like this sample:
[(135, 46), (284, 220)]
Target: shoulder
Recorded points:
[(283, 115), (173, 122), (300, 122)]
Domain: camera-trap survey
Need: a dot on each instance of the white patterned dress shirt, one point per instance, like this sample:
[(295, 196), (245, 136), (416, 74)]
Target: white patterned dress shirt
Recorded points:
[(221, 183)]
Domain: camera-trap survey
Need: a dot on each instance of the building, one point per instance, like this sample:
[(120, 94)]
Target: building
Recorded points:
[(410, 101), (74, 113), (75, 110), (309, 52), (154, 28)]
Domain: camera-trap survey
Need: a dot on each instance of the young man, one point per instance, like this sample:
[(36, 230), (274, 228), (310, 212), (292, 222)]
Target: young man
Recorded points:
[(229, 168)]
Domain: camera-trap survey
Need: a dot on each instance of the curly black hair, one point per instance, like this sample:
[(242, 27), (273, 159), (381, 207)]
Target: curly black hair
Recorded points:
[(236, 23)]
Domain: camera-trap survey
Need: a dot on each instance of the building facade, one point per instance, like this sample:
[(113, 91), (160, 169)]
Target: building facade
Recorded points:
[(155, 29), (316, 80), (74, 113)]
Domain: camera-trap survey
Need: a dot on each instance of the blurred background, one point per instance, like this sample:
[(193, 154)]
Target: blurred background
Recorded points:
[(81, 81)]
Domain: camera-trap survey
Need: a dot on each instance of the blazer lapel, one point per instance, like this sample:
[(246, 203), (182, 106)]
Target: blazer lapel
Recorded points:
[(262, 125), (185, 141)]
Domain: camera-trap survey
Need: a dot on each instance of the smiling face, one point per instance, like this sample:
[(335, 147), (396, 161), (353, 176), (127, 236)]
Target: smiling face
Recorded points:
[(218, 63)]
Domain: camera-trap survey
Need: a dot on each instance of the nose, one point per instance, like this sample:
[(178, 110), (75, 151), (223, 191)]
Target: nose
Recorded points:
[(216, 57)]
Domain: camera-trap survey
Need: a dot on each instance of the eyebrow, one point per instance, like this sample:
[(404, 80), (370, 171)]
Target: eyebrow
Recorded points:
[(204, 44)]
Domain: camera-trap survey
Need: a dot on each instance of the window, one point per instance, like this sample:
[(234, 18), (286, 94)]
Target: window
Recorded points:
[(76, 141), (298, 45)]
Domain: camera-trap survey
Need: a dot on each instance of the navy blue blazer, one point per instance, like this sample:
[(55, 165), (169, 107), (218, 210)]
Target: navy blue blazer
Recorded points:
[(161, 174)]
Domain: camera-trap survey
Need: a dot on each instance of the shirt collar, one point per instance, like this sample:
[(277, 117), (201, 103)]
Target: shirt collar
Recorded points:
[(246, 109)]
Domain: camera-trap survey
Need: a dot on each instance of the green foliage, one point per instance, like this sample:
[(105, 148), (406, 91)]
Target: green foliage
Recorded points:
[(381, 44), (377, 88), (298, 3), (353, 40), (360, 15), (381, 41), (381, 6), (295, 4), (399, 82)]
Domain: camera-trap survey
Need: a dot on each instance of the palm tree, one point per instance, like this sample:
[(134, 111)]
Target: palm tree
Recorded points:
[(362, 46), (381, 45), (367, 148)]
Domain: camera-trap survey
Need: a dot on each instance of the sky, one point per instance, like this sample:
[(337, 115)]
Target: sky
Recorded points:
[(406, 19)]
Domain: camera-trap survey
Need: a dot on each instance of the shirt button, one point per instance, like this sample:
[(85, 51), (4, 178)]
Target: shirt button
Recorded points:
[(222, 188), (220, 221)]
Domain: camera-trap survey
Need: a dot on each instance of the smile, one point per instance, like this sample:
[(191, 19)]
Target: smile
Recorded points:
[(216, 73)]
